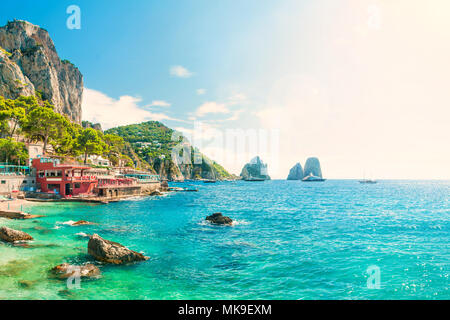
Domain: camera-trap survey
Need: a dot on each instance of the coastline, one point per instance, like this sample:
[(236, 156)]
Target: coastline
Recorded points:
[(17, 205)]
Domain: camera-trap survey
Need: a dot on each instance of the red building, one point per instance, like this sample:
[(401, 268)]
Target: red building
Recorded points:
[(66, 180)]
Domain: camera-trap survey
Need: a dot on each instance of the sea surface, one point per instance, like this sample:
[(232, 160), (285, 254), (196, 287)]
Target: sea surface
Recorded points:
[(290, 240)]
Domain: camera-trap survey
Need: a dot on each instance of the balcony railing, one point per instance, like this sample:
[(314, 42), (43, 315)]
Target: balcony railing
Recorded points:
[(81, 179)]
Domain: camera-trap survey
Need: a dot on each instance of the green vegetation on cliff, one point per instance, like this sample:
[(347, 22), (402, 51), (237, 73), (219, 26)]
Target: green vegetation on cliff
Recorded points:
[(31, 119), (152, 143)]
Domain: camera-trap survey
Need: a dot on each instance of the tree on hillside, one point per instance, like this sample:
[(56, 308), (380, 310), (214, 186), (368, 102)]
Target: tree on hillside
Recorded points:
[(114, 142), (11, 111), (12, 151), (89, 142), (44, 123)]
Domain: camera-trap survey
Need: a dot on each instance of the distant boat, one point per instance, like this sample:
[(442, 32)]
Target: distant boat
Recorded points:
[(312, 178), (209, 181), (368, 181), (254, 179)]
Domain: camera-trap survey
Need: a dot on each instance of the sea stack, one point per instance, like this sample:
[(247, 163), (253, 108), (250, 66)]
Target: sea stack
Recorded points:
[(312, 168), (296, 172), (255, 170)]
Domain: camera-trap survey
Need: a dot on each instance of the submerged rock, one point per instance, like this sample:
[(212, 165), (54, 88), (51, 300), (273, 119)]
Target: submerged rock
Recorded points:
[(26, 284), (66, 270), (11, 235), (82, 223), (296, 172), (312, 168), (255, 169), (112, 252), (218, 218)]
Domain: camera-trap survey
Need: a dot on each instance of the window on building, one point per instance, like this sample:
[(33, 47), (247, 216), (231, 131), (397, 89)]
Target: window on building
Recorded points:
[(3, 181), (77, 186)]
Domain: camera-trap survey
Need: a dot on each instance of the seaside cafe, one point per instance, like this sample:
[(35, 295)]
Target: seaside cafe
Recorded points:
[(65, 180)]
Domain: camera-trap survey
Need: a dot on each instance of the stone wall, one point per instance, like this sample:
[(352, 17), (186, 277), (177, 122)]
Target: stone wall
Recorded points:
[(16, 183)]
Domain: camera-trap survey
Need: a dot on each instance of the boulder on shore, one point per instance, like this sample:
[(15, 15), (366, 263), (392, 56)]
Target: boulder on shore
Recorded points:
[(156, 193), (17, 215), (218, 218), (296, 172), (112, 252), (66, 270), (11, 235)]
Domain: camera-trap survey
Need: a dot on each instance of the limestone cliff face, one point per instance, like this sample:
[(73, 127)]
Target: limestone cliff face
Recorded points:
[(168, 170), (29, 63), (312, 167), (255, 169), (296, 172)]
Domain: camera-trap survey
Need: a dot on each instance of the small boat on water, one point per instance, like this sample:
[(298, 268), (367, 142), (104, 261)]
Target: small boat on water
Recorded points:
[(177, 189), (312, 178), (368, 181), (254, 179), (209, 181)]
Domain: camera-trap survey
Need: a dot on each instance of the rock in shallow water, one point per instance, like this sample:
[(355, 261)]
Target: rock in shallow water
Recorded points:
[(112, 252), (82, 223), (11, 235), (66, 270), (218, 218)]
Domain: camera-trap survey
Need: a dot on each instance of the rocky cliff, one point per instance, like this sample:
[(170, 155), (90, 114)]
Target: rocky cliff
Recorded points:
[(29, 64), (312, 167), (296, 172), (255, 169)]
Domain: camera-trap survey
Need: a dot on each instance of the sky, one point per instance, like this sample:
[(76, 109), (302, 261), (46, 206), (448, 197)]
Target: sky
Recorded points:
[(360, 84)]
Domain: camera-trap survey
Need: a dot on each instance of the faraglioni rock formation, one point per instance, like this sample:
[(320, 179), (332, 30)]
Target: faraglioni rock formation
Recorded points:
[(255, 169), (29, 64), (296, 172), (312, 167), (112, 252)]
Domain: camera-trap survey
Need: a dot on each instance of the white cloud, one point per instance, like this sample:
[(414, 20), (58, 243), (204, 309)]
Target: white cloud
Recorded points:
[(201, 92), (237, 98), (212, 107), (99, 108), (180, 72), (159, 103), (236, 114)]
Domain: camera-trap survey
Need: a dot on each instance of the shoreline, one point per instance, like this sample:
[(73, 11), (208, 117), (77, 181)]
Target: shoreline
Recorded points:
[(16, 204)]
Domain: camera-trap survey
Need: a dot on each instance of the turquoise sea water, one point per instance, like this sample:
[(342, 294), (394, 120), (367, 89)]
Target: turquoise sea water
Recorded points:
[(291, 240)]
